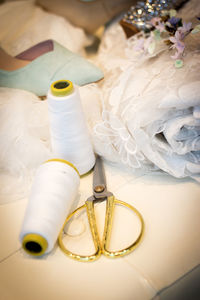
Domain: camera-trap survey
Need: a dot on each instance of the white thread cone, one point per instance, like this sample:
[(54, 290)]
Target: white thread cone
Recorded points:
[(54, 189), (69, 133)]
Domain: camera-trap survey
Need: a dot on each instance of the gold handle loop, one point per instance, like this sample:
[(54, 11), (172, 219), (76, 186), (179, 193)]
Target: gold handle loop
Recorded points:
[(102, 249), (89, 205), (108, 226)]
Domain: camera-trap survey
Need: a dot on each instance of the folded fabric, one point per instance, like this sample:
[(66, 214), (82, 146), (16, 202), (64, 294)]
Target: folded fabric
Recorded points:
[(60, 63), (150, 116)]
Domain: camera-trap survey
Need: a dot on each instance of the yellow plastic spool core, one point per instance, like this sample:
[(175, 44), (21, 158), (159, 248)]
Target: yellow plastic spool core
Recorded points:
[(61, 88), (34, 244)]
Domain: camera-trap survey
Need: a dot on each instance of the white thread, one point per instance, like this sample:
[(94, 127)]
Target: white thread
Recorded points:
[(69, 134), (54, 189)]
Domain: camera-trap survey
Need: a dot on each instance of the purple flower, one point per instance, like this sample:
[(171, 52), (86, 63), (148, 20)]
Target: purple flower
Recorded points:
[(185, 29), (177, 40), (174, 21), (178, 44), (156, 22)]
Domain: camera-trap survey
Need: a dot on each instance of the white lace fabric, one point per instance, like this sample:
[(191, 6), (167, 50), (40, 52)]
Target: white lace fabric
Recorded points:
[(151, 110)]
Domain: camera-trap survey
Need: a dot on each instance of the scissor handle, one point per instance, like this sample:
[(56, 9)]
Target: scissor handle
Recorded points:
[(89, 205), (102, 249), (111, 201)]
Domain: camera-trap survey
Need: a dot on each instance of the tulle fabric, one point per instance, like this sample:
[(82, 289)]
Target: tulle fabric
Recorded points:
[(24, 135)]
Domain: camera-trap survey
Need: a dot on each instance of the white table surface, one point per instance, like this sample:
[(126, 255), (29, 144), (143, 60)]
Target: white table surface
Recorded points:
[(170, 247)]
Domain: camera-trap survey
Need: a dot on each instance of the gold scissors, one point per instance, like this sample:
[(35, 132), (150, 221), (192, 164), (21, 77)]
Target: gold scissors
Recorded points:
[(100, 193)]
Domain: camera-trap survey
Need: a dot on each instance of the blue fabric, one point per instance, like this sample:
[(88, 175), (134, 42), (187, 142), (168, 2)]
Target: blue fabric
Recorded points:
[(58, 64)]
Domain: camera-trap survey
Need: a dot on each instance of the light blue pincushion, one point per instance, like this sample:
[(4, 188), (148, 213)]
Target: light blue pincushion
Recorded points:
[(58, 64)]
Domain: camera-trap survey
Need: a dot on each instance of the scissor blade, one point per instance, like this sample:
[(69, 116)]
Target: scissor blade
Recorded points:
[(99, 179)]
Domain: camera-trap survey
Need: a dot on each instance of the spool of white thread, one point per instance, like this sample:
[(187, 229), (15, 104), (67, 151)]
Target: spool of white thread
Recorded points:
[(69, 133), (54, 188)]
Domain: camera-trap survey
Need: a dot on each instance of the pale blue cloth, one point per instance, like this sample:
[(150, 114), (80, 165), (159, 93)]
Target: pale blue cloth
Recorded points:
[(58, 64)]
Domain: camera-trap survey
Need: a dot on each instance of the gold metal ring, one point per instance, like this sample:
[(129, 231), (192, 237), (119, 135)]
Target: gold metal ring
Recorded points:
[(96, 242), (106, 238)]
